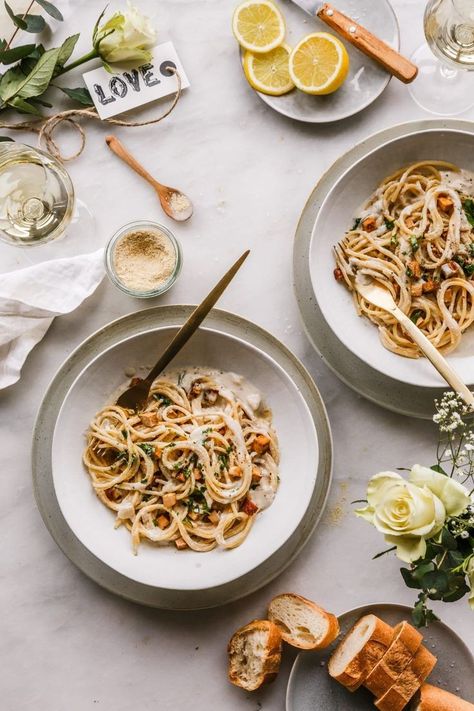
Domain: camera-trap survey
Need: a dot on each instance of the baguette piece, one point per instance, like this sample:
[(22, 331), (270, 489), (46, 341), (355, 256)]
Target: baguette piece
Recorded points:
[(302, 623), (408, 683), (360, 650), (254, 654), (403, 647), (433, 699)]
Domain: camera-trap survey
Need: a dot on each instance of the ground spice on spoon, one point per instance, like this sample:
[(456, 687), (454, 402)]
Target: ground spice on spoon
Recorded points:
[(144, 260)]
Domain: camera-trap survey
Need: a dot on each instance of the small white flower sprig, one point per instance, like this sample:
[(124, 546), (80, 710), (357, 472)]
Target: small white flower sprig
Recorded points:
[(429, 517)]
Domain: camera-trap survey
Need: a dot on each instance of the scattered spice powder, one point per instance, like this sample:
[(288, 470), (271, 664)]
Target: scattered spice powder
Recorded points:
[(144, 260)]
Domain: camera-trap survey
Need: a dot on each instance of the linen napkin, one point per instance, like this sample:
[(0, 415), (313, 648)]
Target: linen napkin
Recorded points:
[(30, 299)]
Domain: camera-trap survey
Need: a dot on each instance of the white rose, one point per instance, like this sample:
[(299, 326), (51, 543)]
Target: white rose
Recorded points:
[(454, 495), (126, 37), (405, 512), (469, 568)]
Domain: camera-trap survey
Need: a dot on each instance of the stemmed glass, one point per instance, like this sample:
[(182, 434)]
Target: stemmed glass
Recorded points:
[(38, 209), (443, 85)]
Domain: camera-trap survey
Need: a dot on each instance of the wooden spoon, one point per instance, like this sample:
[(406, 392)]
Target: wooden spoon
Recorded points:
[(382, 298), (136, 396), (175, 203)]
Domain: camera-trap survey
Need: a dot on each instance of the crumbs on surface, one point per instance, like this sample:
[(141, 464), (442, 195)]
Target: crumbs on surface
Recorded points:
[(144, 259)]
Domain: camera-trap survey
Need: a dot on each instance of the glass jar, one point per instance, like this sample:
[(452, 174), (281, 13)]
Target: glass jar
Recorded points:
[(142, 226)]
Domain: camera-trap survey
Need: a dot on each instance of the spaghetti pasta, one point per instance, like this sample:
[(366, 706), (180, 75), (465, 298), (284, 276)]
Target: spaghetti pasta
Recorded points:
[(193, 468), (415, 236)]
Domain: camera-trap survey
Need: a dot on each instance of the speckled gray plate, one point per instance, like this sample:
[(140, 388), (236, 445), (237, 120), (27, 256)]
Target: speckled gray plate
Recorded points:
[(385, 391), (310, 688), (366, 79), (144, 322)]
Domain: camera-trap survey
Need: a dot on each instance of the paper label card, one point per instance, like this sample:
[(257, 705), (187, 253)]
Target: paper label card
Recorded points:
[(113, 94)]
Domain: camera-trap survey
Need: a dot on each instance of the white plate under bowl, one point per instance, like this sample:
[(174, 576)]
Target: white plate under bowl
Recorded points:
[(247, 348), (310, 688), (366, 79), (165, 566), (335, 217)]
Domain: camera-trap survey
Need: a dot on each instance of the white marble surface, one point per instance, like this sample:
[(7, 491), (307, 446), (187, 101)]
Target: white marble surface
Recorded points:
[(65, 642)]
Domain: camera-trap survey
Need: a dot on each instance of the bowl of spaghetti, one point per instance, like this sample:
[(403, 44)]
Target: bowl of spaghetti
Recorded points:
[(403, 215), (206, 482)]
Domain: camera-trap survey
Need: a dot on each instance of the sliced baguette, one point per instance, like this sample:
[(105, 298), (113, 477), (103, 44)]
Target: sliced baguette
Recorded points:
[(254, 654), (433, 699), (403, 647), (360, 650), (302, 623), (408, 683)]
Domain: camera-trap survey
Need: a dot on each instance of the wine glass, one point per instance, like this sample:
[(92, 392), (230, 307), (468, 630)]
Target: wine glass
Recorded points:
[(443, 85), (38, 209)]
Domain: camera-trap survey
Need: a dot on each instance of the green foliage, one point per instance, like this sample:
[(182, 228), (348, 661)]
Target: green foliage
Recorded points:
[(468, 206), (51, 9), (23, 85)]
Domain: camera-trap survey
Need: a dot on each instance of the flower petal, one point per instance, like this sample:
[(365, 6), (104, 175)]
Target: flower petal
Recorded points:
[(454, 495)]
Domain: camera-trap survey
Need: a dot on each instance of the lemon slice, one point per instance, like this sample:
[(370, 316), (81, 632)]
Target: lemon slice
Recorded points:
[(319, 64), (258, 26), (269, 72)]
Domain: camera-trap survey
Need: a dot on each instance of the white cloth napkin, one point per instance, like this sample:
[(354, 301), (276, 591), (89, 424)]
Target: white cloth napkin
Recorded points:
[(30, 299)]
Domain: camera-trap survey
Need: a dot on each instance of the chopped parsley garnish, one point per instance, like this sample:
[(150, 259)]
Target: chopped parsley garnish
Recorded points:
[(468, 206), (122, 455), (416, 315), (162, 399), (197, 501), (223, 461), (124, 433), (414, 243), (357, 222), (389, 224), (394, 240), (409, 272), (147, 448), (467, 267), (470, 249)]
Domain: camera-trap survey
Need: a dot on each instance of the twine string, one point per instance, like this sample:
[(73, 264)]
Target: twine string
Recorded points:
[(46, 127)]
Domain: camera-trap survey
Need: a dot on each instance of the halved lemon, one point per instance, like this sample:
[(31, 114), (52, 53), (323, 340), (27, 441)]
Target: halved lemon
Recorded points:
[(258, 26), (269, 72), (319, 64)]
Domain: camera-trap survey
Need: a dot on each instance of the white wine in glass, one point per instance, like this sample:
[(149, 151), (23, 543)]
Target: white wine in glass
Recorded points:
[(36, 196), (443, 85)]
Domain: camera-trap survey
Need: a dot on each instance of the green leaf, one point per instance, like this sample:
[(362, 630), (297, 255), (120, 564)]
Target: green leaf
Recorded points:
[(436, 580), (468, 206), (5, 138), (23, 106), (439, 469), (422, 569), (421, 615), (457, 589), (65, 51), (16, 19), (37, 80), (50, 9), (27, 64), (13, 55), (448, 540), (10, 81), (96, 26), (81, 95), (34, 23), (410, 580), (40, 102)]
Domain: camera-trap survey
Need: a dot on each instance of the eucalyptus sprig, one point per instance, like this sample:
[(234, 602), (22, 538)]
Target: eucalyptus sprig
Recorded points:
[(125, 36)]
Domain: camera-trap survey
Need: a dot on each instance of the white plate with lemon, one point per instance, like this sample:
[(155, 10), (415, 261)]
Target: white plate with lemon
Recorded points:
[(305, 72)]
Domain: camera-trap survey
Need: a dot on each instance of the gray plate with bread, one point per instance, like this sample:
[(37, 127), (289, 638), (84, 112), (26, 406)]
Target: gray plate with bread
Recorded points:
[(380, 661)]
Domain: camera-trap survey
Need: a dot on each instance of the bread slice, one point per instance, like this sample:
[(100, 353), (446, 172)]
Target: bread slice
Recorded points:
[(403, 647), (360, 650), (433, 699), (254, 654), (302, 623), (408, 683)]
